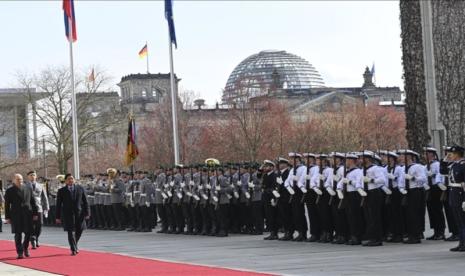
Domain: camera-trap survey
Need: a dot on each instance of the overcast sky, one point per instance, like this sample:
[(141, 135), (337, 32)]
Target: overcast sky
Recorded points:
[(338, 38)]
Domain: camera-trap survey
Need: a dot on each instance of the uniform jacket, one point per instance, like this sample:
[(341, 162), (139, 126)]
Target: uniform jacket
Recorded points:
[(40, 195)]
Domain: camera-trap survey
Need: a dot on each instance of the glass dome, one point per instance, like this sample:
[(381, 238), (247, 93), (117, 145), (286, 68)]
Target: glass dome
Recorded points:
[(270, 70)]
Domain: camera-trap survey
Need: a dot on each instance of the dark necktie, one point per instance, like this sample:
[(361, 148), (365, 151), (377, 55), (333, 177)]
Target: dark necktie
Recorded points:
[(34, 186)]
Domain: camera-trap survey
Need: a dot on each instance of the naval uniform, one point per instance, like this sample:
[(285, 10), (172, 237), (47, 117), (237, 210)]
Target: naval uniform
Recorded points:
[(457, 198)]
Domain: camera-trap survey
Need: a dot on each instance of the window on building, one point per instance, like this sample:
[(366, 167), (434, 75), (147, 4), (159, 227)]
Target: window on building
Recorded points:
[(144, 93)]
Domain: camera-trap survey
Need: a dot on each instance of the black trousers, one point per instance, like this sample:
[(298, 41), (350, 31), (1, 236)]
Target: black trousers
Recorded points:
[(196, 216), (257, 216), (118, 214), (285, 212), (188, 216), (170, 217), (161, 210), (144, 217), (73, 239), (235, 217), (373, 218), (313, 214), (271, 213), (354, 214), (20, 243), (223, 217), (396, 218), (213, 218), (178, 216), (298, 213), (324, 212), (455, 202), (206, 222), (451, 224), (246, 216), (36, 228), (435, 212), (109, 216), (153, 215), (415, 212), (341, 225), (93, 217)]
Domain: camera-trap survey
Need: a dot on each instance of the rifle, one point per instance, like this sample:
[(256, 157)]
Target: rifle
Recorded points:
[(407, 182), (320, 181), (278, 174), (334, 181), (294, 182), (443, 197), (217, 184), (391, 170), (307, 181), (250, 189), (430, 178), (344, 185)]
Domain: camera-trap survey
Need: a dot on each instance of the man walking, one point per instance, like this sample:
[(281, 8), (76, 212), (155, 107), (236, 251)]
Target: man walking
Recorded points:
[(40, 195), (20, 212), (72, 210)]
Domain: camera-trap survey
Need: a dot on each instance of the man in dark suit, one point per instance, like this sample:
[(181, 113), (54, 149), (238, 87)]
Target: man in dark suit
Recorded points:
[(20, 211), (72, 211)]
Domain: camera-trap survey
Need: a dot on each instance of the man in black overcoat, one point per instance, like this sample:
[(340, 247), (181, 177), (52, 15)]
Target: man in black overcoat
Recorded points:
[(72, 211), (20, 211)]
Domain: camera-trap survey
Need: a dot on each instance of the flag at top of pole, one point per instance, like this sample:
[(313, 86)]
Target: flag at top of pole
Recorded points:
[(70, 20), (169, 18)]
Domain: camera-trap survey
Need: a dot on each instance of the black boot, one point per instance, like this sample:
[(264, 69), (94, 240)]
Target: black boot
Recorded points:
[(300, 237), (286, 237)]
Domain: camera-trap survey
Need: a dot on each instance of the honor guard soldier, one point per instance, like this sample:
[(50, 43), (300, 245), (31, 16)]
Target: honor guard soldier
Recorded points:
[(296, 180), (270, 198), (135, 191), (456, 192), (433, 201), (235, 209), (204, 194), (89, 189), (195, 204), (310, 199), (350, 190), (244, 199), (415, 184), (374, 180), (255, 187), (160, 197), (187, 191), (444, 170), (337, 211), (40, 195), (396, 217), (177, 185), (284, 206), (224, 191), (117, 190), (322, 184)]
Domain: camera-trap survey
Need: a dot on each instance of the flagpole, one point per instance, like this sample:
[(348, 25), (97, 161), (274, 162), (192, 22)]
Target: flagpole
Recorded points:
[(74, 114), (173, 104), (147, 56)]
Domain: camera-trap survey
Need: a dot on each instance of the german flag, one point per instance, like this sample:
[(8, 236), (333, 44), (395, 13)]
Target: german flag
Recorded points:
[(144, 51), (131, 147)]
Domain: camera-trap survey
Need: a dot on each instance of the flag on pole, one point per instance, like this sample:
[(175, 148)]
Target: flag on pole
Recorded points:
[(131, 147), (70, 20), (169, 18), (91, 77), (144, 51)]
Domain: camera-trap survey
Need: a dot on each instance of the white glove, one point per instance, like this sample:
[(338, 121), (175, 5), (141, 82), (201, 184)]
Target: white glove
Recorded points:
[(215, 198), (295, 178), (366, 179), (345, 180), (273, 202), (322, 177), (217, 187), (183, 184), (403, 191), (317, 191), (391, 176), (46, 214), (340, 194), (442, 187), (427, 187), (336, 178), (147, 204), (191, 183), (290, 190), (170, 194), (308, 177), (463, 206), (232, 186), (236, 194), (362, 192), (205, 196), (279, 180), (179, 195), (386, 190), (330, 191), (166, 185), (247, 195), (208, 186), (239, 183), (251, 185), (189, 194), (164, 196), (196, 197), (172, 183), (303, 189), (408, 176), (430, 173), (276, 194), (200, 187), (229, 196)]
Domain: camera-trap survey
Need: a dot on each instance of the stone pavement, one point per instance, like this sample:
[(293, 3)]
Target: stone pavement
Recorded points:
[(288, 258)]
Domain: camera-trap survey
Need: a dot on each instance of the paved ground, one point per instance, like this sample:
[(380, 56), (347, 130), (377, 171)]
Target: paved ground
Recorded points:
[(289, 258), (12, 270)]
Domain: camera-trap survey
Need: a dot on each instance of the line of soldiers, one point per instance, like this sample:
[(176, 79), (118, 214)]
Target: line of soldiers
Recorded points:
[(342, 198)]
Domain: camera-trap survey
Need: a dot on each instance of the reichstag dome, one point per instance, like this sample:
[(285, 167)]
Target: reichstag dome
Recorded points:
[(269, 70)]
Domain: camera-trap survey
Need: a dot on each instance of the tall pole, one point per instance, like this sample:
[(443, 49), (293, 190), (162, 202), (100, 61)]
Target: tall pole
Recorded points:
[(173, 105), (44, 155), (74, 115), (147, 56), (435, 127)]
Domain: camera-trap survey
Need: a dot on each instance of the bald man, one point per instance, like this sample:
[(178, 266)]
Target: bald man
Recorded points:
[(20, 211)]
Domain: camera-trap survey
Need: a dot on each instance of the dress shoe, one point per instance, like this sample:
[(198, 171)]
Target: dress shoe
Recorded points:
[(299, 238), (37, 244), (26, 253), (452, 237), (395, 239), (430, 238), (161, 231), (412, 241), (33, 246), (354, 241), (73, 253), (372, 243), (131, 229), (339, 240), (222, 234), (439, 237), (313, 238), (272, 236), (286, 237), (20, 256)]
